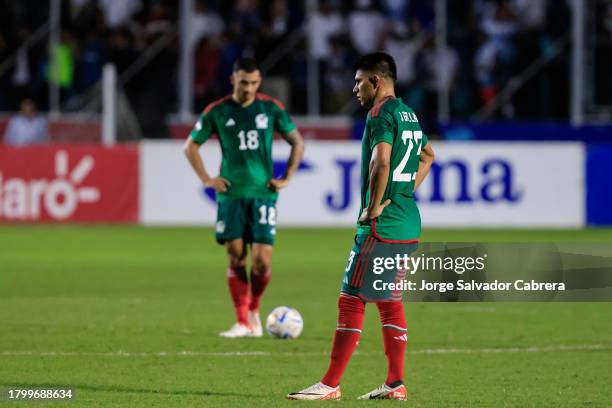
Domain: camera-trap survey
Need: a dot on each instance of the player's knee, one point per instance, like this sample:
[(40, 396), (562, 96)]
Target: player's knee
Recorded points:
[(351, 310), (350, 304), (237, 257), (261, 264), (236, 260), (392, 313)]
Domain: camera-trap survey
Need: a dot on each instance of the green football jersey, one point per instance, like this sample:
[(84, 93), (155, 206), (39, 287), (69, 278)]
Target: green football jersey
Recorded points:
[(245, 135), (393, 122)]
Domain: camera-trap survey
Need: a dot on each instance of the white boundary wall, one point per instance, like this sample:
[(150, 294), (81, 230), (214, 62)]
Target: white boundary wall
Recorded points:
[(482, 184)]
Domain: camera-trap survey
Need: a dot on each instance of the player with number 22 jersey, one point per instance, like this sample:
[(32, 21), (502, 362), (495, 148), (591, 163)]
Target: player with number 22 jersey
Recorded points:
[(394, 123), (396, 158)]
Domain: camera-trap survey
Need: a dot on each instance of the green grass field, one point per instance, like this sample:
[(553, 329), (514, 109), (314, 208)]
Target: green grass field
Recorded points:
[(129, 317)]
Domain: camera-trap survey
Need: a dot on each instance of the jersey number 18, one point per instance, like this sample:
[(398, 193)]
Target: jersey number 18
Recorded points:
[(248, 140)]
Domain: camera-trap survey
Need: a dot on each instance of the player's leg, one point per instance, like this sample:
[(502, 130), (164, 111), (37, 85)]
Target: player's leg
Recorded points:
[(395, 337), (262, 231), (261, 271), (237, 278), (348, 331), (351, 311), (231, 222), (394, 331)]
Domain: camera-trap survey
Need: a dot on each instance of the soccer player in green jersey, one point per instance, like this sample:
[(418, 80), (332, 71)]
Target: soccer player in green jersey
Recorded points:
[(245, 122), (396, 158)]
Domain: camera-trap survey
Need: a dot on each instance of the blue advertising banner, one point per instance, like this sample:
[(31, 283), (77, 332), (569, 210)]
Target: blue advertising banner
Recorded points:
[(599, 184)]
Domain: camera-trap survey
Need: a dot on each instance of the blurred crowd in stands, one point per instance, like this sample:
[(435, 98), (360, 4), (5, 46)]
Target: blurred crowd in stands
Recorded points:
[(489, 42)]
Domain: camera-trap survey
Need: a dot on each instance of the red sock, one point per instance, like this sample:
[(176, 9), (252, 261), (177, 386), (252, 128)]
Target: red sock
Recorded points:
[(394, 335), (259, 281), (346, 338), (239, 289)]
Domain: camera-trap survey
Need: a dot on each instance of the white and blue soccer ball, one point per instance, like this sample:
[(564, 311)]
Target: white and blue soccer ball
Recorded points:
[(284, 323)]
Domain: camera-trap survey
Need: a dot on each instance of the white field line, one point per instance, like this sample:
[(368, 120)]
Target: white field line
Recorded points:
[(546, 349)]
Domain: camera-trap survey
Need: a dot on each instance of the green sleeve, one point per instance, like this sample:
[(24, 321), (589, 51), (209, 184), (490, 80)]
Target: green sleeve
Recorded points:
[(425, 140), (381, 129), (203, 128), (282, 121)]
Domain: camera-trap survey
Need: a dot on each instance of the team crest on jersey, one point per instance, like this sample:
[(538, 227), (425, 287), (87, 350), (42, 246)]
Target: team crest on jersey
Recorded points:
[(261, 121)]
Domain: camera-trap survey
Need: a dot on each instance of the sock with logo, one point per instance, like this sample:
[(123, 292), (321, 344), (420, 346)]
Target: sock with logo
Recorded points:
[(350, 321), (395, 337), (259, 281), (239, 290)]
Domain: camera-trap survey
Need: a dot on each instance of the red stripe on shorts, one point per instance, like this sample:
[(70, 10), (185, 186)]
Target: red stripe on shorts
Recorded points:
[(367, 249), (358, 263), (370, 250)]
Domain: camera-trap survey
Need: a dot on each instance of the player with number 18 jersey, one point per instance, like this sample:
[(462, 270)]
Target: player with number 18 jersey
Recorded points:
[(245, 136), (246, 188)]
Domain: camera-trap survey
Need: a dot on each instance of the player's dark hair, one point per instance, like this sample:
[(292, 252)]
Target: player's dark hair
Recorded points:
[(379, 63), (245, 64)]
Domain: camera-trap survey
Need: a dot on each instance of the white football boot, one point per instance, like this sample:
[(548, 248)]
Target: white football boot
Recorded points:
[(237, 330), (386, 392), (319, 391), (255, 323)]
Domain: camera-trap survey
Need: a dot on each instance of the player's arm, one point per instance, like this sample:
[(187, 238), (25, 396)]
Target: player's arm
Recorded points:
[(425, 160), (295, 139), (380, 166), (192, 152)]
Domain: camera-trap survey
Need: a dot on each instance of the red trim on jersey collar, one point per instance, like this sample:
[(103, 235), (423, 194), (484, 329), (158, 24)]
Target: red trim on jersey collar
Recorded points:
[(263, 97), (394, 241), (258, 97), (215, 103), (376, 109)]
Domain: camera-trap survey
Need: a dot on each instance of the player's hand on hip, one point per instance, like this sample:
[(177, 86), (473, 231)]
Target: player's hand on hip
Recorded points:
[(369, 214), (277, 184), (219, 184)]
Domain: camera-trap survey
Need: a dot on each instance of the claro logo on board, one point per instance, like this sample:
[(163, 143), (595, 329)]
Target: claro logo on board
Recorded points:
[(59, 197)]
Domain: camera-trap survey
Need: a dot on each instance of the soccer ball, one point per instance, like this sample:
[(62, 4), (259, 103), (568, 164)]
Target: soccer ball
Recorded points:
[(284, 323)]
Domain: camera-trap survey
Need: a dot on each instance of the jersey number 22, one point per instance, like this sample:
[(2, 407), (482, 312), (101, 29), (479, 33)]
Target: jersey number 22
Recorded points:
[(412, 138)]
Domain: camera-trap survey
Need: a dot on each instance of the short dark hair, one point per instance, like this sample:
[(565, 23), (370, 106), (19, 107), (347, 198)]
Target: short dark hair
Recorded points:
[(245, 64), (380, 63)]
